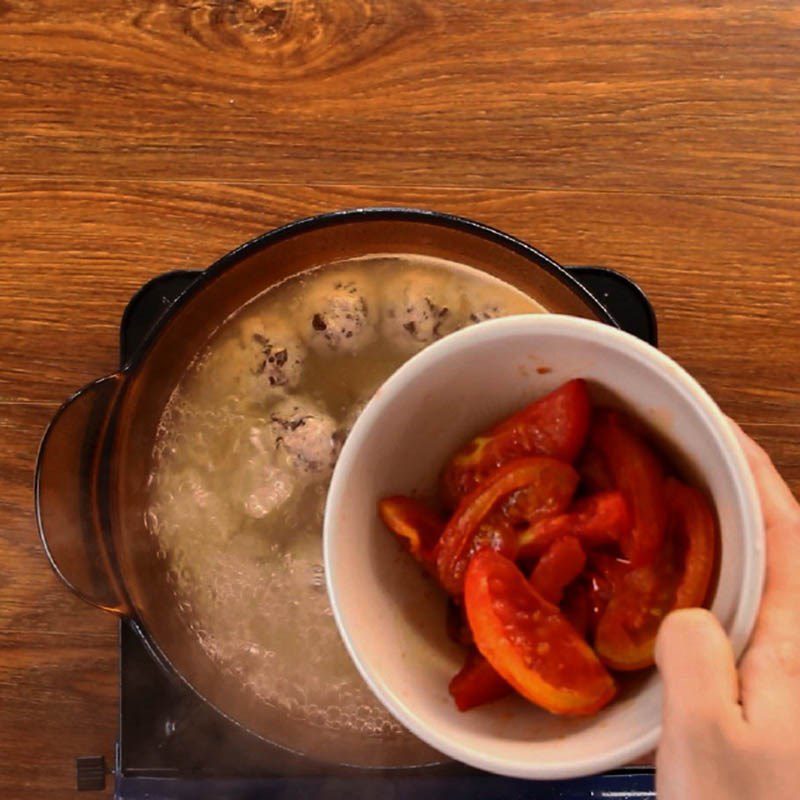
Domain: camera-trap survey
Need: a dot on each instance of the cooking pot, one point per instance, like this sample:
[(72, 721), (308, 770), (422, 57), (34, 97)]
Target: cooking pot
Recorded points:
[(95, 457)]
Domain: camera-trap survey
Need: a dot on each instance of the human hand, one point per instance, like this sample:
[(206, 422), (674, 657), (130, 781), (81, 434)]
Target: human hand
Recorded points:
[(729, 735)]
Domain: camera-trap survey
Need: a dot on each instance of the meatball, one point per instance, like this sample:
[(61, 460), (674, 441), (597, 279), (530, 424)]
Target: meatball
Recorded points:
[(338, 313), (275, 353), (260, 357), (420, 308), (309, 438)]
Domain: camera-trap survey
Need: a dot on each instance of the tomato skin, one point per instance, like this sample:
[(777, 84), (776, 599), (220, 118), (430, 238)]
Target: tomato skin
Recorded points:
[(554, 425), (638, 474), (417, 525), (560, 565), (692, 521), (529, 642), (599, 519), (477, 683), (547, 484)]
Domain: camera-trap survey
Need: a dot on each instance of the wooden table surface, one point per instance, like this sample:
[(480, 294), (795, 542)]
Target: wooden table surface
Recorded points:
[(138, 136)]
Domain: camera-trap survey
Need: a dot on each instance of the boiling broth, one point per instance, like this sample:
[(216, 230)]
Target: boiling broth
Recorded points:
[(244, 454)]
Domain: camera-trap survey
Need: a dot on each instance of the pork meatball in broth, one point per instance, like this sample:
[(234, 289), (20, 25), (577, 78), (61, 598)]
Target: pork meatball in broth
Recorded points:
[(419, 308), (308, 437), (260, 357), (339, 312)]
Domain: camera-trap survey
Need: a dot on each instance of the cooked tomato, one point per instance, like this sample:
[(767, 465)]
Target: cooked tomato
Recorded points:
[(640, 599), (477, 683), (603, 576), (678, 578), (561, 563), (638, 474), (576, 606), (529, 642), (554, 425), (599, 519), (547, 486), (594, 471), (692, 523), (417, 525)]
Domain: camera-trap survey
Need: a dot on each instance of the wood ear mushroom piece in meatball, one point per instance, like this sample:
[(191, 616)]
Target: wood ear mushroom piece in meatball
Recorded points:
[(419, 308), (308, 437), (339, 313)]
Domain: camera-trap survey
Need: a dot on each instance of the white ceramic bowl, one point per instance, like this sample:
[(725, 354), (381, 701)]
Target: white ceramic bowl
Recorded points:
[(392, 618)]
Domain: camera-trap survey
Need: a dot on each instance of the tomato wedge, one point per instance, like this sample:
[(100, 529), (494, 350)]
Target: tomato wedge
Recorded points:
[(548, 486), (417, 525), (678, 578), (640, 599), (576, 606), (692, 522), (529, 642), (603, 577), (638, 474), (555, 425), (599, 519), (561, 564), (477, 683)]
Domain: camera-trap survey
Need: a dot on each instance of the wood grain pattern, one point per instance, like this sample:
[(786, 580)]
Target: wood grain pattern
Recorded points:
[(138, 136), (551, 94)]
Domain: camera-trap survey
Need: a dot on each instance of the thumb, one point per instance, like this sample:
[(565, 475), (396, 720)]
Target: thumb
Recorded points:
[(696, 663)]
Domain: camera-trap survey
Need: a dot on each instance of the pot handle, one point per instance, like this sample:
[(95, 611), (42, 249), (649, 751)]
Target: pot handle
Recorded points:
[(68, 484), (622, 298)]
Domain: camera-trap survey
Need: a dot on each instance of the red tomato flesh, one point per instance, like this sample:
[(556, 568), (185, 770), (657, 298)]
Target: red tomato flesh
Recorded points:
[(640, 599), (529, 642), (477, 683), (576, 607), (555, 425), (547, 485), (594, 471), (639, 476), (417, 525), (692, 523), (596, 520), (561, 564), (679, 577)]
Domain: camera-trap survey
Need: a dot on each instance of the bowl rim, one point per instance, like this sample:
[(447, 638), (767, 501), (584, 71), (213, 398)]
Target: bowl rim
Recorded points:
[(743, 620)]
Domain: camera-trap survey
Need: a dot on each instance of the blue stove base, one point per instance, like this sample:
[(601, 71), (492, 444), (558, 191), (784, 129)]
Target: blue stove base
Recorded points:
[(624, 785)]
